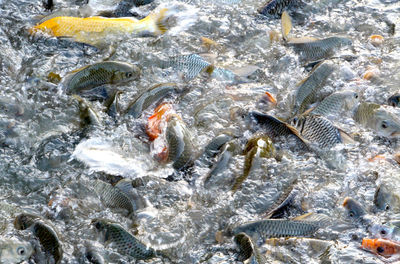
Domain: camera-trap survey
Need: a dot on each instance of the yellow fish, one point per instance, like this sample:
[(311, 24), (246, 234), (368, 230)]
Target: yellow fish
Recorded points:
[(92, 30)]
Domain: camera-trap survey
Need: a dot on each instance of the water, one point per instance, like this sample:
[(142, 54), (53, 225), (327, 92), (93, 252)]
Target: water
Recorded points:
[(39, 173)]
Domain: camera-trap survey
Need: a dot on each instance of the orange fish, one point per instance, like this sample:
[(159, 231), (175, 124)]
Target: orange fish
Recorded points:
[(154, 123), (383, 247)]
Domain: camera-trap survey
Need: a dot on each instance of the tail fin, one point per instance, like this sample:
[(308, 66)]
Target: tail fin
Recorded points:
[(174, 18), (286, 24)]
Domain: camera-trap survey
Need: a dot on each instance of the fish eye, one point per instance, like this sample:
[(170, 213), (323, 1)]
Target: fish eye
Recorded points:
[(387, 207), (384, 125), (21, 251), (383, 232), (295, 120), (356, 96), (351, 213), (97, 225), (393, 104), (128, 74), (380, 249)]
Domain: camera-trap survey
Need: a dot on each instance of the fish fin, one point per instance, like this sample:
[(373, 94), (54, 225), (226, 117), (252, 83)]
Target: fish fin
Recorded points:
[(246, 70), (125, 185), (313, 217), (301, 40), (303, 217), (346, 138), (286, 25), (79, 69)]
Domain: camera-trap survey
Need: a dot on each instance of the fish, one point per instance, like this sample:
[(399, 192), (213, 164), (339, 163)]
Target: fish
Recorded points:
[(394, 100), (337, 103), (386, 199), (354, 209), (190, 65), (301, 226), (14, 251), (275, 7), (88, 115), (256, 147), (318, 130), (180, 146), (96, 29), (98, 74), (46, 234), (383, 247), (248, 249), (286, 25), (223, 161), (152, 95), (309, 87), (155, 123), (285, 200), (276, 129), (213, 148), (311, 49), (113, 197), (123, 241), (379, 118)]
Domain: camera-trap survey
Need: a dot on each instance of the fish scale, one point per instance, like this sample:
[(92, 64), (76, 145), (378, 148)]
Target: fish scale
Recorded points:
[(112, 196), (275, 7), (335, 103), (123, 241), (319, 130), (191, 65), (307, 91), (319, 49)]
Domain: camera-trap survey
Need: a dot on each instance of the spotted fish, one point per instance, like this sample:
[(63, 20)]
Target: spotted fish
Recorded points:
[(122, 240), (336, 103), (310, 86)]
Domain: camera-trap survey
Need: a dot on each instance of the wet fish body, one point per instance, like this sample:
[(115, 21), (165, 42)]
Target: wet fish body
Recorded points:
[(223, 161), (190, 65), (272, 228), (149, 97), (319, 130), (386, 198), (336, 103), (14, 251), (383, 247), (275, 7), (113, 197), (98, 74), (378, 118), (123, 241), (277, 129), (47, 236), (248, 249), (180, 147), (309, 87), (315, 50), (213, 148), (354, 209)]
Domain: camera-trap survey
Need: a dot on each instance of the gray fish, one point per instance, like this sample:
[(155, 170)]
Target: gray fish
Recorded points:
[(318, 49), (98, 74), (88, 115), (180, 147), (284, 201), (379, 118), (122, 240), (213, 148), (336, 103), (113, 197), (302, 226), (319, 130), (394, 100), (309, 87), (46, 234), (14, 251), (256, 147), (223, 161), (275, 7), (190, 65), (152, 95), (248, 249), (386, 198), (276, 129), (354, 209)]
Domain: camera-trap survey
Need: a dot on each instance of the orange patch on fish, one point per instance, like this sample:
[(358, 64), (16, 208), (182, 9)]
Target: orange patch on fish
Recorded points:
[(371, 73), (153, 128), (377, 158), (383, 247), (270, 98), (376, 40)]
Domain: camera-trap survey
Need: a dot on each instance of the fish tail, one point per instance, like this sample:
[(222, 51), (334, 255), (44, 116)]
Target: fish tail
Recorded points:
[(286, 25)]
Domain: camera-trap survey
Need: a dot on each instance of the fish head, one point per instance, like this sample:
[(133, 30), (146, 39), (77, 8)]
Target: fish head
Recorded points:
[(351, 99), (379, 246), (354, 209), (298, 122), (24, 221), (386, 199), (383, 231), (126, 73), (386, 123), (16, 251), (394, 100)]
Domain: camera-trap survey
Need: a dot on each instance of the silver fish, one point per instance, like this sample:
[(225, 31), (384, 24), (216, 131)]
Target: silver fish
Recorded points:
[(386, 198), (223, 161), (303, 226), (213, 148), (354, 209), (319, 130), (149, 97), (248, 250), (14, 251), (275, 7), (190, 65), (336, 103), (122, 240), (318, 49), (309, 87), (98, 74), (379, 118)]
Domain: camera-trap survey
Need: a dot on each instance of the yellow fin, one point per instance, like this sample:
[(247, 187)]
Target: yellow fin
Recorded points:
[(303, 217), (286, 24), (301, 40)]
